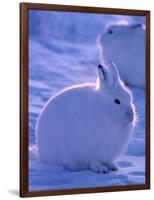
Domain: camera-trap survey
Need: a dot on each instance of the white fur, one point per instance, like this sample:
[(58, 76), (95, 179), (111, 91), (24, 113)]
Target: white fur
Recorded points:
[(125, 45), (83, 128)]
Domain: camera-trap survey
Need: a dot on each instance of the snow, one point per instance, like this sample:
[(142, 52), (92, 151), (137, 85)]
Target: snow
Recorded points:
[(63, 53), (47, 177)]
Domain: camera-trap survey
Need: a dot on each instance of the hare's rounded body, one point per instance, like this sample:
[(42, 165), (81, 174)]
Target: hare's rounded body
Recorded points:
[(125, 44), (79, 129)]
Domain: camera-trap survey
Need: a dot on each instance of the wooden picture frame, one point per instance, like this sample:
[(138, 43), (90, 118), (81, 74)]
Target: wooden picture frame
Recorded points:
[(24, 102)]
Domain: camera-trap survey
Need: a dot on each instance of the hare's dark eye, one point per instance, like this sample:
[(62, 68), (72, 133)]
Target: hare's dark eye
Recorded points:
[(110, 31), (117, 101)]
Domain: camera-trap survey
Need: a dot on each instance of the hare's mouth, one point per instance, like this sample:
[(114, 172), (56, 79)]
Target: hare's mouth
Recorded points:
[(129, 116), (130, 119)]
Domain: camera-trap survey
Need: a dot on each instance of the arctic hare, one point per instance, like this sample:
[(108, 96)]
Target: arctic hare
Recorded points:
[(125, 44), (87, 126)]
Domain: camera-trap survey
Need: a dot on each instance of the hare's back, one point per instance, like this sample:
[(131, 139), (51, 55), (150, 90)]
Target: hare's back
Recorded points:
[(71, 101)]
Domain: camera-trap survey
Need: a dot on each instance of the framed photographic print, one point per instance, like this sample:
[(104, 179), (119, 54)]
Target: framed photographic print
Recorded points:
[(84, 99)]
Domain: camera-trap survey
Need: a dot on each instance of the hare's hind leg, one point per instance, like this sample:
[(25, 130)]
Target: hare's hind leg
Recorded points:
[(111, 166), (73, 167), (97, 167)]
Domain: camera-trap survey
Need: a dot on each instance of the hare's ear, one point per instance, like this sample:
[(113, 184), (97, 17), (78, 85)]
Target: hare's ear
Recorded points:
[(103, 75), (113, 72)]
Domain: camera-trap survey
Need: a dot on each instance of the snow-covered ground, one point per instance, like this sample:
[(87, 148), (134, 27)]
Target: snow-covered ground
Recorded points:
[(63, 52)]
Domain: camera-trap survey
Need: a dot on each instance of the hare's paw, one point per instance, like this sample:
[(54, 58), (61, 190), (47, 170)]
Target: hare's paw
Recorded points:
[(111, 166), (98, 167)]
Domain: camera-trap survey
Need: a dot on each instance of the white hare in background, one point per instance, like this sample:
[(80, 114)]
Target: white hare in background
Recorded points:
[(87, 126), (125, 44)]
